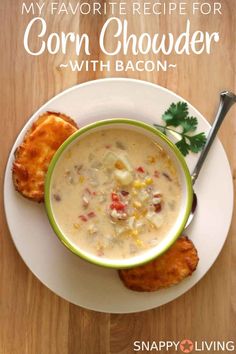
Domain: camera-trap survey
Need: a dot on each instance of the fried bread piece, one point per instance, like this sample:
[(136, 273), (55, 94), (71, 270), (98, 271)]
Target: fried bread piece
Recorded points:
[(45, 116), (170, 268), (33, 156)]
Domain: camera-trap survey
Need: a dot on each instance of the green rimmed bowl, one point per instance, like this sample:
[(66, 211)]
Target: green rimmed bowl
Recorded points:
[(185, 181)]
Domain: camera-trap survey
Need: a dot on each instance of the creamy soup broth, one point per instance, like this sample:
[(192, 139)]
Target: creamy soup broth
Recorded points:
[(115, 193)]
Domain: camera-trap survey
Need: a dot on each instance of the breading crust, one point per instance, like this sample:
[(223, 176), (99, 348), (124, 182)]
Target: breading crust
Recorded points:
[(169, 269)]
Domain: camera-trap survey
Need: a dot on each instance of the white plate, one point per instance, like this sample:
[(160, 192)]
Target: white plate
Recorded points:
[(91, 286)]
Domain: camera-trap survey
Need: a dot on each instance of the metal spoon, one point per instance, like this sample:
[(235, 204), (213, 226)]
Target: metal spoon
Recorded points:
[(227, 99)]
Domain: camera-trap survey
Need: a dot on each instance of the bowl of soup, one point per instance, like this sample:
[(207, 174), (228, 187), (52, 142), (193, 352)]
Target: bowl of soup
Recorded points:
[(118, 193)]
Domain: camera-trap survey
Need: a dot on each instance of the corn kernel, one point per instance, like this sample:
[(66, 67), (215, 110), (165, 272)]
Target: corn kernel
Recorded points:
[(144, 212), (134, 233), (119, 165), (137, 204), (148, 180), (137, 184), (139, 243), (76, 226), (68, 155), (151, 159), (81, 179)]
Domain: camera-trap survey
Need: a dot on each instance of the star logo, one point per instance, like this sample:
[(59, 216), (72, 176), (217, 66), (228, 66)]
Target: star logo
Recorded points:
[(186, 346)]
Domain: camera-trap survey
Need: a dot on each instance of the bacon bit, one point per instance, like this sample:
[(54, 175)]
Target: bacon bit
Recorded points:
[(88, 191), (157, 195), (117, 205), (83, 218), (57, 197), (124, 193), (114, 197), (100, 251), (167, 176), (78, 168), (122, 216), (158, 208), (140, 169), (156, 174), (91, 214), (85, 202)]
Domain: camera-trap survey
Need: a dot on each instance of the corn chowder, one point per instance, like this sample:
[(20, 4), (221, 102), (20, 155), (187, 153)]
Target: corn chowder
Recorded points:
[(115, 193)]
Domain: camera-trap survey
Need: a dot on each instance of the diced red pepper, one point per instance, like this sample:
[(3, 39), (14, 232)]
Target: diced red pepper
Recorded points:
[(91, 214), (140, 169), (117, 205), (156, 174), (83, 218), (115, 197)]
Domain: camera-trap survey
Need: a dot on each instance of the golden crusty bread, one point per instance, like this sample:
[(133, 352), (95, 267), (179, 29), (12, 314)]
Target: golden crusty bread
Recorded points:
[(33, 156), (170, 268)]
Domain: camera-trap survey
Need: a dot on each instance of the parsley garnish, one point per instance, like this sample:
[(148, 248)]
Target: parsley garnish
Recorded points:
[(177, 115)]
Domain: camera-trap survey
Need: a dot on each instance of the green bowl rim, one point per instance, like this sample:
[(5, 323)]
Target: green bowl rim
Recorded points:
[(80, 132)]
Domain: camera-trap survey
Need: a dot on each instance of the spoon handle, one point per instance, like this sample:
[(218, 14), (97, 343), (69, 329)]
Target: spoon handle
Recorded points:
[(227, 99)]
